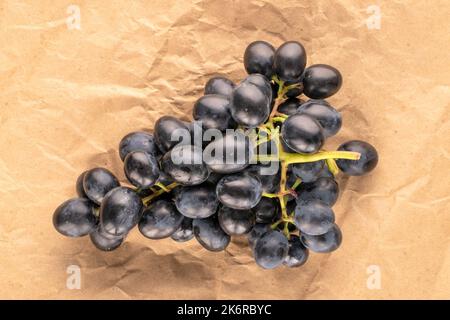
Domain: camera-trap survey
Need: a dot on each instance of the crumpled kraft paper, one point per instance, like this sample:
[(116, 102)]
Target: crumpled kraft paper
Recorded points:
[(79, 75)]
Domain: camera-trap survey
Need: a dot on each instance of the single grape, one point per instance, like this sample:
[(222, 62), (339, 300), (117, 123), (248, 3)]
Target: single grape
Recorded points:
[(137, 141), (302, 133), (169, 131), (75, 218), (271, 249), (104, 241), (308, 171), (219, 85), (367, 162), (328, 117), (185, 232), (213, 112), (324, 189), (239, 191), (250, 105), (297, 254), (141, 169), (120, 211), (324, 243), (209, 234), (257, 232), (184, 165), (295, 91), (98, 182), (267, 210), (229, 153), (236, 222), (160, 220), (313, 217), (79, 186), (290, 61), (290, 106), (197, 201), (258, 58), (321, 81), (269, 175), (261, 82)]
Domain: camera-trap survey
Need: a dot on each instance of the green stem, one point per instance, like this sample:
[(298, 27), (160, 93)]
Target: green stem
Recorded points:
[(168, 188), (321, 155)]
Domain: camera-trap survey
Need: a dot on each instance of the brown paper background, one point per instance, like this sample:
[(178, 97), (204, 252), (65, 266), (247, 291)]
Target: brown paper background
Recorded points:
[(68, 96)]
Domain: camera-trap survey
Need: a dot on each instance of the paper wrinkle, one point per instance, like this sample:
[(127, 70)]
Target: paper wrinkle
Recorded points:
[(69, 96)]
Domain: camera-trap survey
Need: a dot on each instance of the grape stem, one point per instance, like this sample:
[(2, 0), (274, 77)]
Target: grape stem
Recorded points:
[(163, 189)]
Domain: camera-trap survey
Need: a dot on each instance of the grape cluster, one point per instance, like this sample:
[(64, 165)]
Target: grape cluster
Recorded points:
[(258, 169)]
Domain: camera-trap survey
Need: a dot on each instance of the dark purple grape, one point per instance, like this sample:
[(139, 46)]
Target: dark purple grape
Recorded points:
[(290, 61), (236, 222), (261, 82), (308, 171), (120, 211), (230, 153), (324, 243), (302, 134), (258, 58), (250, 105), (367, 162), (104, 241), (184, 165), (239, 191), (297, 254), (137, 141), (321, 81), (271, 249), (197, 201), (75, 218), (141, 169), (185, 232), (257, 232), (219, 85), (213, 112), (210, 235), (290, 106), (269, 175), (324, 189), (79, 186), (98, 182), (313, 217), (267, 210), (169, 131), (160, 220), (328, 117)]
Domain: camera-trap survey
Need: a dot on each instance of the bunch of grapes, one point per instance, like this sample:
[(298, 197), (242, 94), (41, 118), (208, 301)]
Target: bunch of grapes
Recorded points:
[(250, 163)]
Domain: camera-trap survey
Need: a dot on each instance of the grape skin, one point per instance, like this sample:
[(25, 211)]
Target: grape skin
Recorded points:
[(258, 58), (197, 201), (185, 232), (297, 254), (103, 241), (290, 61), (271, 249), (367, 162), (98, 182), (160, 220), (249, 106), (302, 134), (141, 169), (79, 186), (324, 189), (258, 230), (213, 112), (328, 117), (75, 218), (313, 217), (239, 191), (324, 243), (321, 81), (308, 171), (236, 222), (210, 235), (267, 210), (290, 106), (137, 141), (165, 127), (219, 85)]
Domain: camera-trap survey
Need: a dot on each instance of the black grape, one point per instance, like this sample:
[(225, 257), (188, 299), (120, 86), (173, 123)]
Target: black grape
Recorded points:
[(197, 201), (185, 232), (219, 85), (229, 153), (290, 106), (239, 191), (290, 61), (324, 189), (184, 165), (120, 211), (258, 58), (297, 254), (236, 222), (98, 182), (257, 232), (137, 141), (313, 217), (308, 171), (104, 241), (271, 249), (169, 131), (79, 186), (213, 112), (250, 105), (269, 175), (160, 220), (324, 243), (321, 81), (261, 82), (302, 133), (210, 235), (267, 210), (367, 162), (75, 218), (328, 117), (141, 169)]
